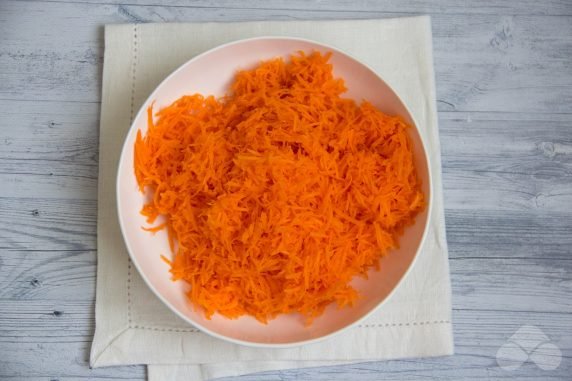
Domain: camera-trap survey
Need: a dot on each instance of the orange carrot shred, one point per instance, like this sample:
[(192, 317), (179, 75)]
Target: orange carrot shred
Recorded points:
[(278, 194)]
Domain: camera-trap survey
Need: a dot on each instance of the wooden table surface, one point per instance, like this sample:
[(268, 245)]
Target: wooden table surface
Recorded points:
[(504, 88)]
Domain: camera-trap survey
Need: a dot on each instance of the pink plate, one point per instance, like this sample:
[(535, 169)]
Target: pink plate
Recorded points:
[(211, 73)]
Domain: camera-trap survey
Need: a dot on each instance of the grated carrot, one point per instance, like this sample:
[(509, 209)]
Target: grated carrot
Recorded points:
[(276, 195)]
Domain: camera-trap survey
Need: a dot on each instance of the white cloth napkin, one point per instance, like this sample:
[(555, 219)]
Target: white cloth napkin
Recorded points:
[(133, 327)]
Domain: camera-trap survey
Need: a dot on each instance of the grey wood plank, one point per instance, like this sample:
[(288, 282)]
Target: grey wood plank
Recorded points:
[(49, 132), (49, 184), (50, 321), (43, 224), (483, 62), (525, 285), (528, 7), (539, 145), (46, 343), (34, 224), (520, 281), (51, 340), (489, 234), (48, 276), (525, 159), (504, 161), (49, 149)]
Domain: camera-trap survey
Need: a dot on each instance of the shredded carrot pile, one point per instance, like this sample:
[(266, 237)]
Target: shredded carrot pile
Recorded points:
[(276, 195)]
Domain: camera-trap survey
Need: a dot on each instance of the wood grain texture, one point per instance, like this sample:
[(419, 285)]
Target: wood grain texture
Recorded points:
[(527, 7), (504, 86), (483, 62), (53, 276), (59, 336)]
